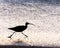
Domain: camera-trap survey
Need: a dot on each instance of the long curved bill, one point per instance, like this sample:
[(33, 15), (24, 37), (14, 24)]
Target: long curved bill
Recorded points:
[(32, 24)]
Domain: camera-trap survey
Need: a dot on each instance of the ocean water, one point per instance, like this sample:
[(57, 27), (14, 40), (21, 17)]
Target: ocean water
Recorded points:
[(45, 16), (31, 1)]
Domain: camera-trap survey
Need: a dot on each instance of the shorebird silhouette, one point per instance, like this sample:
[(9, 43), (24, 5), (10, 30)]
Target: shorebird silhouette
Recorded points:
[(20, 29)]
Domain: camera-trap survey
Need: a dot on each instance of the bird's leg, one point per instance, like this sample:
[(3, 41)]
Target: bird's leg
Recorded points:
[(11, 35), (24, 34)]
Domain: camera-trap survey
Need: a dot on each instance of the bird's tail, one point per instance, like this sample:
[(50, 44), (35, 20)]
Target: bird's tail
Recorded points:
[(10, 28)]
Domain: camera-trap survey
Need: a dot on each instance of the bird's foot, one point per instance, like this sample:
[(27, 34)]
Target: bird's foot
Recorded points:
[(9, 37), (26, 36)]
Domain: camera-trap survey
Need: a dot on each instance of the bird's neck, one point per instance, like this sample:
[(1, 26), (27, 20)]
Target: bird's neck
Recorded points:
[(26, 25)]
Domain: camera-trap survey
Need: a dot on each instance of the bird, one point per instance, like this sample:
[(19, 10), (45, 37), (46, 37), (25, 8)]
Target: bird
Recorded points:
[(20, 28)]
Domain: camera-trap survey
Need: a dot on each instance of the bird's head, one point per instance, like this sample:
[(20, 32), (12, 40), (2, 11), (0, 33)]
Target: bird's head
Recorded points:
[(27, 23)]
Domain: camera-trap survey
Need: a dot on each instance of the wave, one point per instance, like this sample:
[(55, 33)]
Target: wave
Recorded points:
[(54, 2)]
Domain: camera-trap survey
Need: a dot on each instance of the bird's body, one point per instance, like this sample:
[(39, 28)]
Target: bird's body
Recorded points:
[(19, 29)]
